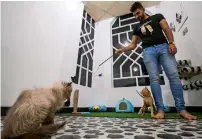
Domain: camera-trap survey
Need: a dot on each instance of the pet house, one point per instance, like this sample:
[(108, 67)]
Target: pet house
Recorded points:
[(124, 105)]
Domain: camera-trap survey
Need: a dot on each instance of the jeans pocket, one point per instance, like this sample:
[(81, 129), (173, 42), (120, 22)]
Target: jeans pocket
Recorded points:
[(163, 48)]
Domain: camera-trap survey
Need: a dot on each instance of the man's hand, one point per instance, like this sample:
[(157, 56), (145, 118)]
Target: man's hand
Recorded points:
[(172, 49), (132, 46)]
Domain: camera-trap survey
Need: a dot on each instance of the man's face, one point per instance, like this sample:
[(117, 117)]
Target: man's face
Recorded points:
[(139, 14)]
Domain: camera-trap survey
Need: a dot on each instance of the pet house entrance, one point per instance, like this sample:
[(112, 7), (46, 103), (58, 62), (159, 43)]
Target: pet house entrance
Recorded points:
[(123, 106)]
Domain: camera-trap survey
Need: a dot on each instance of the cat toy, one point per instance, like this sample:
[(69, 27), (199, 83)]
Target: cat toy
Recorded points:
[(139, 94), (101, 65)]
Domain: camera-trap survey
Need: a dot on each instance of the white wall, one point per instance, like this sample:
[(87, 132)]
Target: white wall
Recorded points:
[(40, 42), (189, 46), (186, 50), (0, 49), (40, 45), (36, 39)]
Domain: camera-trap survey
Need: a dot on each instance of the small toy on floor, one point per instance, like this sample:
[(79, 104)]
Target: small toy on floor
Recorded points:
[(97, 108)]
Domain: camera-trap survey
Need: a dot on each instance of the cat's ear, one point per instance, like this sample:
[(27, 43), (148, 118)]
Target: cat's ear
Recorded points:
[(64, 83), (147, 87), (69, 84)]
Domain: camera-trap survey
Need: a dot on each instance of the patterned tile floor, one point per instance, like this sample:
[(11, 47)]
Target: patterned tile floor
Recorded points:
[(127, 128)]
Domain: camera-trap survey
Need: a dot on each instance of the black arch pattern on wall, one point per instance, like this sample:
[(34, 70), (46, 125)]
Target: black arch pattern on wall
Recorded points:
[(128, 68), (85, 53)]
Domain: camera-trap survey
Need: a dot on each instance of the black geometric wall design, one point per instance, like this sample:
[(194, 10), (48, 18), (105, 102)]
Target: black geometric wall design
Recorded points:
[(85, 53), (128, 68)]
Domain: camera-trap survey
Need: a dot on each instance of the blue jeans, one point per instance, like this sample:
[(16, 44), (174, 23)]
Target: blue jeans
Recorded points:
[(157, 56)]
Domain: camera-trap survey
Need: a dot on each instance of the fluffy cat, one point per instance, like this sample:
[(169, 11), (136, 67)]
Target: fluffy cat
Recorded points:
[(32, 115)]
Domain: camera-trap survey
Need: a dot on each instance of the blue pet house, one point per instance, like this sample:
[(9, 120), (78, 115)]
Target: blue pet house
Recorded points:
[(124, 105)]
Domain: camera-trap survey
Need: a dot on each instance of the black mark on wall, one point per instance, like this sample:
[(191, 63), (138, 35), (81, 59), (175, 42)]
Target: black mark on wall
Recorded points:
[(185, 31)]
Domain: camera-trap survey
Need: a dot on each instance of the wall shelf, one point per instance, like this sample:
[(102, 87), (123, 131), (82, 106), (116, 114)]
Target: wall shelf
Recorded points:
[(187, 71)]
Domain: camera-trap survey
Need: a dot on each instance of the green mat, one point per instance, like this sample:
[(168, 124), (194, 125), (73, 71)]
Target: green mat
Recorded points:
[(126, 115)]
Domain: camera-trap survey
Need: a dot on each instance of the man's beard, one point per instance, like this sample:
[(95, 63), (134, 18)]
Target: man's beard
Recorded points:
[(141, 19)]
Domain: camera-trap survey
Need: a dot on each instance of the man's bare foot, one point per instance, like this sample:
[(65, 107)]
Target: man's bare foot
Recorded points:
[(159, 115), (187, 116)]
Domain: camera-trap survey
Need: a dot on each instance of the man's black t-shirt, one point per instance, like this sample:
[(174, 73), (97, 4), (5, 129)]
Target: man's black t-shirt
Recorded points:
[(150, 31)]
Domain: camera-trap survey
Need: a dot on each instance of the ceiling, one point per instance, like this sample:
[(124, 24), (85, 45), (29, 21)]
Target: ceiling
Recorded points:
[(100, 10)]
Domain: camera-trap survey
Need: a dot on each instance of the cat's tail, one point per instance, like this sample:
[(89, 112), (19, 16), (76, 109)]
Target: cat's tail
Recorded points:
[(41, 132)]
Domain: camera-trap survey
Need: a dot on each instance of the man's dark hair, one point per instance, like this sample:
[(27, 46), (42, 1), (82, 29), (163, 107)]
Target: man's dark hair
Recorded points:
[(135, 6)]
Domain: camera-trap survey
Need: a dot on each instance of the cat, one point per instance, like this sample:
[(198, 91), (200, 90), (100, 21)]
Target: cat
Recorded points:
[(147, 102), (32, 115)]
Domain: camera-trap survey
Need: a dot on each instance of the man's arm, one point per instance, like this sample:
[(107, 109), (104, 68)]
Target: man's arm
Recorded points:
[(167, 30), (169, 35), (132, 45)]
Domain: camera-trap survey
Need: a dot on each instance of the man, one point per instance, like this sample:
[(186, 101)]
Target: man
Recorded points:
[(158, 50)]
